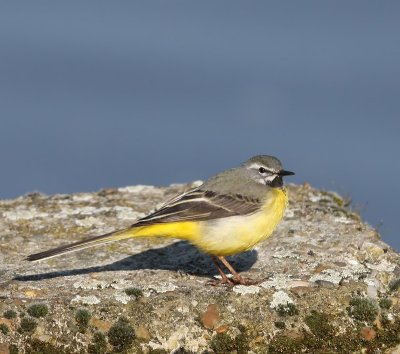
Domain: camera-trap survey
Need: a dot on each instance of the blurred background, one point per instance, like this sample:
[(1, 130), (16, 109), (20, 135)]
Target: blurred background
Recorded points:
[(98, 94)]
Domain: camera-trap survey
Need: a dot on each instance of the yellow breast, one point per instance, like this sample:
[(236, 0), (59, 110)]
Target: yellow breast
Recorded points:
[(235, 234)]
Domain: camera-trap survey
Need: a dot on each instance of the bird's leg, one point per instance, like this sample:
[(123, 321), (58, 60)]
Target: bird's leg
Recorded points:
[(224, 278), (237, 278)]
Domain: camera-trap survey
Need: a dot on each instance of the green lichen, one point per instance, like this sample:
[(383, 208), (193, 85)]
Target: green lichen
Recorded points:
[(158, 351), (82, 318), (38, 310), (319, 324), (390, 335), (394, 285), (362, 309), (27, 325), (288, 309), (284, 345), (4, 328), (99, 344), (385, 303), (121, 335), (280, 324), (325, 338), (36, 346), (13, 349), (223, 343), (134, 292), (336, 198), (10, 314)]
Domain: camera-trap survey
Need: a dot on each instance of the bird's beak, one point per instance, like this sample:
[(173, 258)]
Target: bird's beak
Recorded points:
[(285, 173)]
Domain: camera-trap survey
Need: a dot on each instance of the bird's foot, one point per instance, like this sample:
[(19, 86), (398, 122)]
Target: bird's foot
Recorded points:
[(247, 281), (220, 282), (231, 282)]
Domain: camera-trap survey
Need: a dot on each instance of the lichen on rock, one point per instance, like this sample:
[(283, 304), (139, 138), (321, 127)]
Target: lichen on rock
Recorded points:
[(328, 284)]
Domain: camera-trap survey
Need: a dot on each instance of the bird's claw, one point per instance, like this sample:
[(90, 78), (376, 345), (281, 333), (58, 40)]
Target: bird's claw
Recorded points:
[(231, 282)]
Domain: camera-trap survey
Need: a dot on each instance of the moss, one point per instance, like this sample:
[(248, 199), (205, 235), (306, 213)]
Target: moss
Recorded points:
[(36, 346), (284, 345), (280, 324), (319, 324), (4, 328), (390, 335), (323, 337), (394, 285), (223, 343), (10, 314), (38, 310), (336, 198), (99, 344), (182, 351), (385, 318), (82, 318), (28, 325), (121, 335), (385, 303), (288, 309), (134, 292), (362, 309), (13, 349)]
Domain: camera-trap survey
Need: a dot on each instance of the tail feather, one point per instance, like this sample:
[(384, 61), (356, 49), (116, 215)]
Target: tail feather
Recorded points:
[(97, 240)]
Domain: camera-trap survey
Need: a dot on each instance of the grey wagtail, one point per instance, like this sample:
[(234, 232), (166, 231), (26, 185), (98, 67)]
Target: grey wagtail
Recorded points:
[(229, 213)]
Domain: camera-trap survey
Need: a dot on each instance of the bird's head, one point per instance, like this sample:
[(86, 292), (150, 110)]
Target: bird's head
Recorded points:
[(266, 170)]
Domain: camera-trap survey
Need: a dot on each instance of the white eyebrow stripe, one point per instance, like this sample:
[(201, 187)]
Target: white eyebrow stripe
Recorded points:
[(257, 165)]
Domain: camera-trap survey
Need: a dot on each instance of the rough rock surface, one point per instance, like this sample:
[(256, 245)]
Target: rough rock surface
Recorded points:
[(330, 285)]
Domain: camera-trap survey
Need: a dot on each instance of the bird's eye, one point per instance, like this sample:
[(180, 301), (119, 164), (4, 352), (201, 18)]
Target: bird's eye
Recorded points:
[(262, 170)]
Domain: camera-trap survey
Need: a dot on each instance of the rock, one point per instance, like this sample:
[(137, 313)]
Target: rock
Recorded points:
[(321, 274), (142, 333), (210, 317)]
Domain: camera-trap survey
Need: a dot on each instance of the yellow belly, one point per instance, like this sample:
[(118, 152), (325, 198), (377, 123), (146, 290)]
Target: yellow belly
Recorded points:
[(235, 234)]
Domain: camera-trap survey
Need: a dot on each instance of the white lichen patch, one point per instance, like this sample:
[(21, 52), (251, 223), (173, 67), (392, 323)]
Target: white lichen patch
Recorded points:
[(82, 197), (122, 298), (121, 284), (331, 275), (159, 288), (343, 220), (280, 282), (315, 198), (280, 298), (90, 284), (373, 287), (382, 266), (335, 276), (191, 340), (125, 213), (89, 300), (89, 221), (140, 188), (22, 213), (245, 290)]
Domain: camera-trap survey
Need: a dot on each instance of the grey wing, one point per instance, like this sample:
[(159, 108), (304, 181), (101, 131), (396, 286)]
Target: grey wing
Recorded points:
[(198, 204)]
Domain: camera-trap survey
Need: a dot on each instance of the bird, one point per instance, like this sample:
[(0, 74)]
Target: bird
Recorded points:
[(227, 214)]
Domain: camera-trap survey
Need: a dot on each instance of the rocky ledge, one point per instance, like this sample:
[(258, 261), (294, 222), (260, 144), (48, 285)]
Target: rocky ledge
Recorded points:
[(330, 284)]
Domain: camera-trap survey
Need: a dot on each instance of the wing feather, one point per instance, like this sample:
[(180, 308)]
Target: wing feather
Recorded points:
[(198, 204)]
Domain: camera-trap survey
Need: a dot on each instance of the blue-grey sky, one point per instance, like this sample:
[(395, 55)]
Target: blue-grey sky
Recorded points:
[(97, 94)]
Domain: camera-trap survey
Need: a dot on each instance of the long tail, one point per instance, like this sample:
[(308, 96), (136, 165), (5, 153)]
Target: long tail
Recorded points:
[(97, 240)]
